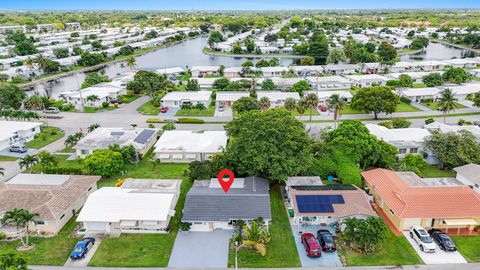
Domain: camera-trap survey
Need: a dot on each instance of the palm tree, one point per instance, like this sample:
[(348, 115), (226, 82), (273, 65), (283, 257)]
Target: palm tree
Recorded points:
[(92, 127), (336, 103), (290, 104), (21, 219), (28, 161), (41, 61), (92, 99), (27, 218), (34, 103), (131, 62), (264, 103), (311, 101), (29, 63), (257, 237), (301, 107), (446, 102)]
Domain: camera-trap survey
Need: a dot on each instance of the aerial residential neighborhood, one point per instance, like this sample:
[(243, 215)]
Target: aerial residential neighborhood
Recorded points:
[(216, 135)]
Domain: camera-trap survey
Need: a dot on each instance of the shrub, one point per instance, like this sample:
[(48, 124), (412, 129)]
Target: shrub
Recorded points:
[(186, 106), (387, 124), (64, 170), (429, 121), (400, 123), (349, 173), (154, 120), (105, 104), (156, 103), (66, 107), (190, 121), (405, 100), (185, 226)]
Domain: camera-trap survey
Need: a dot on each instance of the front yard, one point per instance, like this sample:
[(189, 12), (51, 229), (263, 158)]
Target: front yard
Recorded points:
[(434, 105), (47, 136), (469, 247), (395, 251), (148, 109), (281, 251), (208, 112), (401, 107), (48, 251)]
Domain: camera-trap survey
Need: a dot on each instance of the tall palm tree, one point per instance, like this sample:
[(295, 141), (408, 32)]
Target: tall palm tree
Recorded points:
[(131, 62), (34, 103), (92, 127), (446, 102), (290, 104), (29, 63), (336, 103), (41, 61), (26, 219), (311, 100), (264, 103), (257, 237), (301, 107), (21, 219), (92, 99), (28, 161)]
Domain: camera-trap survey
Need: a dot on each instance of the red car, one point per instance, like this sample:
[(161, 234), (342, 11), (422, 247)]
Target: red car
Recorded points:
[(311, 245), (164, 109), (323, 108)]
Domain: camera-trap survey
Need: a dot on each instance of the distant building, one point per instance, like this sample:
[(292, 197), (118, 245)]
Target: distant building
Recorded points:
[(17, 132)]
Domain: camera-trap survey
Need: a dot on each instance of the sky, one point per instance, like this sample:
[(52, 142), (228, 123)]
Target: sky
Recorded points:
[(231, 5)]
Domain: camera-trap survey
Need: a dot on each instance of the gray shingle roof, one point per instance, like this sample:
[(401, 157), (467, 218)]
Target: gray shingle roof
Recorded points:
[(213, 204)]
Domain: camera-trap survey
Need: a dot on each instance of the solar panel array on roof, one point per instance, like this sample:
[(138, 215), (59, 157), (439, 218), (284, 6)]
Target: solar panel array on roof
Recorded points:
[(144, 136), (318, 203)]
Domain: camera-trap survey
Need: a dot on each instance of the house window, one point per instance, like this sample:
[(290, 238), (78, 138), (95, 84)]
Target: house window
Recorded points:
[(175, 103), (402, 150), (39, 222), (413, 150), (198, 223)]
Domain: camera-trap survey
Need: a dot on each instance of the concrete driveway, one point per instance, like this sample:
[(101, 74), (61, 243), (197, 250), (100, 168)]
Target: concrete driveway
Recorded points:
[(201, 249), (439, 257), (84, 262), (328, 259), (227, 112), (171, 112)]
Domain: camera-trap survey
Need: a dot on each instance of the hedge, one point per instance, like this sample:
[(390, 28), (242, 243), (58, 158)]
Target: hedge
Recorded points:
[(65, 170), (155, 120), (190, 120)]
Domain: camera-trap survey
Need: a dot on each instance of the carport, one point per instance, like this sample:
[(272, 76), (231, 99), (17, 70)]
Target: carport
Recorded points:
[(460, 223)]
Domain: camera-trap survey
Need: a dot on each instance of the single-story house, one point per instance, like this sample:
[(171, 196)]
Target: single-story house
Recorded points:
[(406, 140), (208, 207), (444, 128), (329, 82), (176, 99), (469, 175), (174, 71), (55, 198), (285, 83), (461, 92), (233, 72), (185, 146), (324, 96), (474, 72), (138, 206), (17, 132), (419, 94), (303, 71), (277, 98), (204, 83), (310, 202), (417, 77), (104, 92), (269, 72), (202, 71), (461, 63), (430, 65), (453, 208), (341, 69), (142, 139), (227, 98), (367, 80)]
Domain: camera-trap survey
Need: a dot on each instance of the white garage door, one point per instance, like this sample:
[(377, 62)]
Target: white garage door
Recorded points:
[(200, 227), (221, 225), (95, 226), (410, 222)]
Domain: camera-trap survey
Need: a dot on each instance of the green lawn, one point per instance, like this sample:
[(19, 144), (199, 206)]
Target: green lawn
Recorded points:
[(195, 112), (419, 85), (281, 251), (148, 109), (404, 107), (468, 247), (141, 250), (7, 158), (51, 134), (349, 110), (62, 162), (128, 99), (307, 113), (97, 109), (432, 171), (434, 105), (394, 251), (49, 251)]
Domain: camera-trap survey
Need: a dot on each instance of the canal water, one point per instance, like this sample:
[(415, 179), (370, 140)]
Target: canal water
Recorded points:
[(189, 53)]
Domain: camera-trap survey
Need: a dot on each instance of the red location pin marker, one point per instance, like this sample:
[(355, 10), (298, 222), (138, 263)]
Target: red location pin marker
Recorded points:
[(225, 184)]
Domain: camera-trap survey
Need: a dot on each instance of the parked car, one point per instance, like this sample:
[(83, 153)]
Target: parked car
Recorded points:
[(443, 241), (116, 100), (423, 239), (325, 239), (18, 149), (52, 110), (311, 245), (476, 123), (164, 109), (323, 108), (81, 248), (221, 107)]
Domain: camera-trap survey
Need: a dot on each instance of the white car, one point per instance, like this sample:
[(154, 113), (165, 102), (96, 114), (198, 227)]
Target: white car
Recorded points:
[(423, 239)]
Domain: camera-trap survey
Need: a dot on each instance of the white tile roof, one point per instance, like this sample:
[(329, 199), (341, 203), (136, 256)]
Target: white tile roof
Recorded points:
[(416, 92), (186, 141), (277, 95), (231, 95), (188, 95), (398, 134)]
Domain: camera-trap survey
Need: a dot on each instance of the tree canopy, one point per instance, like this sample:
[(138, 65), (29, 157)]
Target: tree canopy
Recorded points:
[(375, 99)]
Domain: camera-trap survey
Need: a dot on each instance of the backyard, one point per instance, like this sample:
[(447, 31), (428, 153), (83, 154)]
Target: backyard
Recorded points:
[(281, 251), (47, 136)]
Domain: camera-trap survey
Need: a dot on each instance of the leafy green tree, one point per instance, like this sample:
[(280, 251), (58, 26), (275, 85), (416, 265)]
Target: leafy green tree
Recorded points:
[(301, 107), (215, 38), (150, 83), (91, 59), (61, 53), (405, 81), (77, 50), (131, 62), (25, 47), (47, 160), (335, 56), (73, 139), (412, 162), (92, 127), (250, 45), (93, 78), (268, 85), (433, 79), (220, 83), (245, 104), (375, 99), (34, 103), (290, 104), (453, 149), (307, 61), (11, 260), (318, 48), (28, 161), (446, 102), (300, 86), (270, 37), (387, 52), (420, 43), (237, 49), (11, 96), (126, 50), (366, 235), (104, 162), (151, 35), (264, 103), (455, 75), (192, 85), (271, 144)]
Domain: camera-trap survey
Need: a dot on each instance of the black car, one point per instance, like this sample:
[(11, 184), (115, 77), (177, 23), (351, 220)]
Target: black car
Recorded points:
[(117, 100), (442, 240), (325, 239)]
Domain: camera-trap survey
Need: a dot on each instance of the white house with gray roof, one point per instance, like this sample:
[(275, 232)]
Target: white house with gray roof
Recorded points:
[(208, 207), (469, 175)]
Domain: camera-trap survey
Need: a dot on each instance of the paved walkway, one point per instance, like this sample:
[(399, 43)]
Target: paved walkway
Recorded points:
[(420, 106)]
